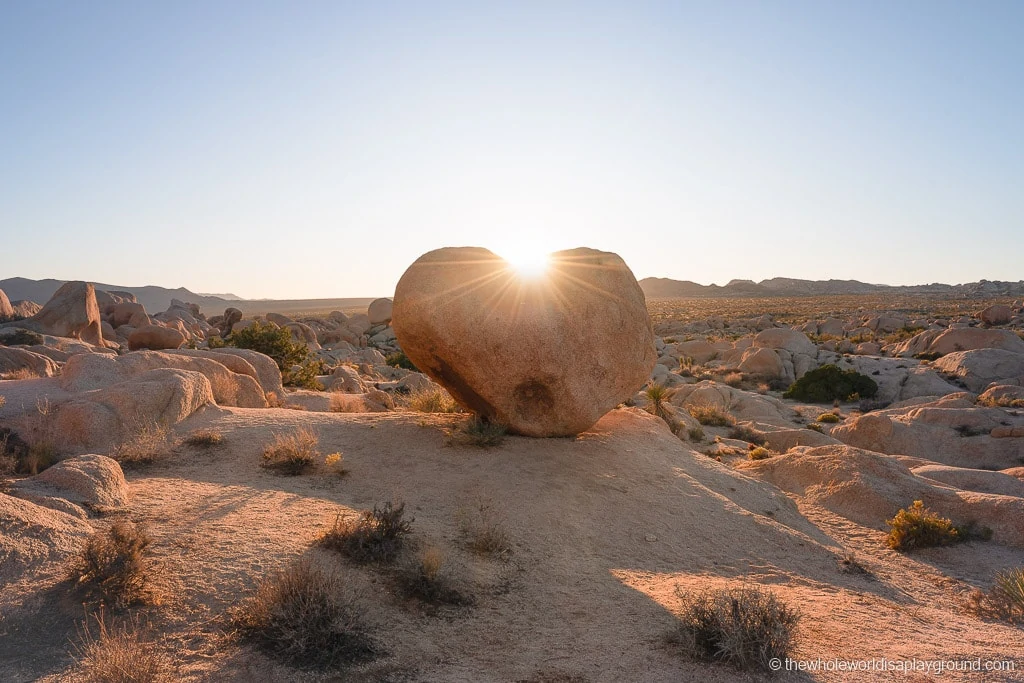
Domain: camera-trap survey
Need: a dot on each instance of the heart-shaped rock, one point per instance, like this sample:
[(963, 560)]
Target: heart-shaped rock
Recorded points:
[(544, 355)]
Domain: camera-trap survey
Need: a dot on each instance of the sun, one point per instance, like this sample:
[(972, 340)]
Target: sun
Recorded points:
[(528, 260)]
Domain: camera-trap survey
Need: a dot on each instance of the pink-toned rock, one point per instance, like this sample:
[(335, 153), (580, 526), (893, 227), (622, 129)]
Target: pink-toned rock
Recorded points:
[(92, 480), (155, 338), (996, 315), (72, 312), (793, 341), (380, 311), (6, 309), (546, 356), (762, 362)]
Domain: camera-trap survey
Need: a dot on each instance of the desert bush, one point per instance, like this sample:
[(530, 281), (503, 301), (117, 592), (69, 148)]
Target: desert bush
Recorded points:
[(759, 453), (816, 428), (335, 463), (22, 337), (829, 383), (204, 438), (19, 374), (304, 375), (928, 355), (997, 402), (695, 434), (425, 577), (148, 440), (125, 653), (918, 527), (305, 616), (398, 359), (849, 564), (744, 627), (483, 530), (1005, 600), (375, 536), (433, 400), (830, 418), (113, 566), (734, 379), (274, 341), (658, 396), (744, 433), (477, 432), (709, 415), (293, 453), (346, 403)]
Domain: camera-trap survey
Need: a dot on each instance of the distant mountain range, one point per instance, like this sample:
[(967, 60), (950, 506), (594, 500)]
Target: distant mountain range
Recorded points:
[(157, 299), (657, 287)]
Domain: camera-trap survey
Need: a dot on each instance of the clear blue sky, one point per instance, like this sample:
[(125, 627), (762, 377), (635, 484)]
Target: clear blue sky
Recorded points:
[(307, 149)]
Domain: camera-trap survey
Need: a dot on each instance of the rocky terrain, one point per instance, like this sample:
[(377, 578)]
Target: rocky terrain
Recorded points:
[(696, 452)]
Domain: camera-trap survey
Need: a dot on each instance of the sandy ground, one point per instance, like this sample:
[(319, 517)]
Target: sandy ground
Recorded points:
[(605, 527)]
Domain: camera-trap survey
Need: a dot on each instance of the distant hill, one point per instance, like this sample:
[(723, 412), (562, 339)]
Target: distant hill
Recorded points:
[(657, 287), (157, 299)]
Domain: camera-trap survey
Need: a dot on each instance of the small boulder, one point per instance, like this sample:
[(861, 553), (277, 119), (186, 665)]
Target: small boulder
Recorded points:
[(155, 338), (379, 311)]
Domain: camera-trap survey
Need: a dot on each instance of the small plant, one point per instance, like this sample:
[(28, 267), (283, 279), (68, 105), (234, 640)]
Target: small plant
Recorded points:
[(425, 578), (709, 415), (482, 528), (346, 403), (398, 359), (147, 441), (304, 376), (1008, 594), (19, 374), (815, 427), (22, 337), (658, 396), (829, 383), (918, 527), (734, 379), (273, 341), (849, 564), (477, 432), (126, 653), (293, 453), (928, 356), (335, 463), (433, 400), (744, 433), (829, 418), (375, 536), (759, 453), (695, 434), (113, 566), (305, 616), (204, 438), (968, 431), (744, 627)]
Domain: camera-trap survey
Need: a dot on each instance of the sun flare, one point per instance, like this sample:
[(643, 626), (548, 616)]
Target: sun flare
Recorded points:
[(527, 260)]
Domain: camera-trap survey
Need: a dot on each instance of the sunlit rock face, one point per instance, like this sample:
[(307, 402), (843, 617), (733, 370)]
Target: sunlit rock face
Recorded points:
[(546, 354)]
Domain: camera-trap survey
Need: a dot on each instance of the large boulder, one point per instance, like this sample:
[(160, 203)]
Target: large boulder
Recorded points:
[(155, 338), (13, 359), (763, 363), (128, 313), (32, 537), (25, 308), (980, 367), (957, 339), (379, 311), (996, 314), (93, 481), (267, 371), (546, 355), (793, 341), (72, 311)]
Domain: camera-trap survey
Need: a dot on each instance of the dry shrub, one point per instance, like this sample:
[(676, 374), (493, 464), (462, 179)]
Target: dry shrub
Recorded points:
[(293, 453), (125, 653), (759, 453), (148, 440), (710, 415), (695, 434), (113, 566), (483, 530), (20, 373), (377, 535), (433, 400), (335, 463), (273, 400), (427, 578), (734, 379), (305, 616), (918, 527), (1005, 600), (204, 438), (744, 627), (744, 433), (829, 418), (477, 432), (346, 403)]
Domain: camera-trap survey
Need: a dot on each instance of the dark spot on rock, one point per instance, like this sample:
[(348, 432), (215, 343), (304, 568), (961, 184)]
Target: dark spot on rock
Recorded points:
[(533, 400)]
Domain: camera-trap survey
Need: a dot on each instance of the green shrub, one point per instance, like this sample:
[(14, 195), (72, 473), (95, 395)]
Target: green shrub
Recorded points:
[(274, 341), (307, 617), (22, 337), (830, 418), (760, 453), (744, 627), (304, 376), (918, 527), (829, 383), (398, 359)]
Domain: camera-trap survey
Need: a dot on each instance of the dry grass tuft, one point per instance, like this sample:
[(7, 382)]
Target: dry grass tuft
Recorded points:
[(377, 535), (427, 579), (433, 400), (126, 653), (829, 418), (114, 568), (477, 432), (918, 527), (293, 453), (734, 379), (307, 617), (147, 441), (204, 438), (346, 403), (20, 373), (710, 415), (483, 530), (744, 627), (1005, 600), (759, 453)]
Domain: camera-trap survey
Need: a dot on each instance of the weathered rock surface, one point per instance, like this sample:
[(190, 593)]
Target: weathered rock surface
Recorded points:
[(379, 311), (95, 481), (979, 368), (71, 312), (6, 309), (13, 359), (32, 536), (155, 338), (545, 357)]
